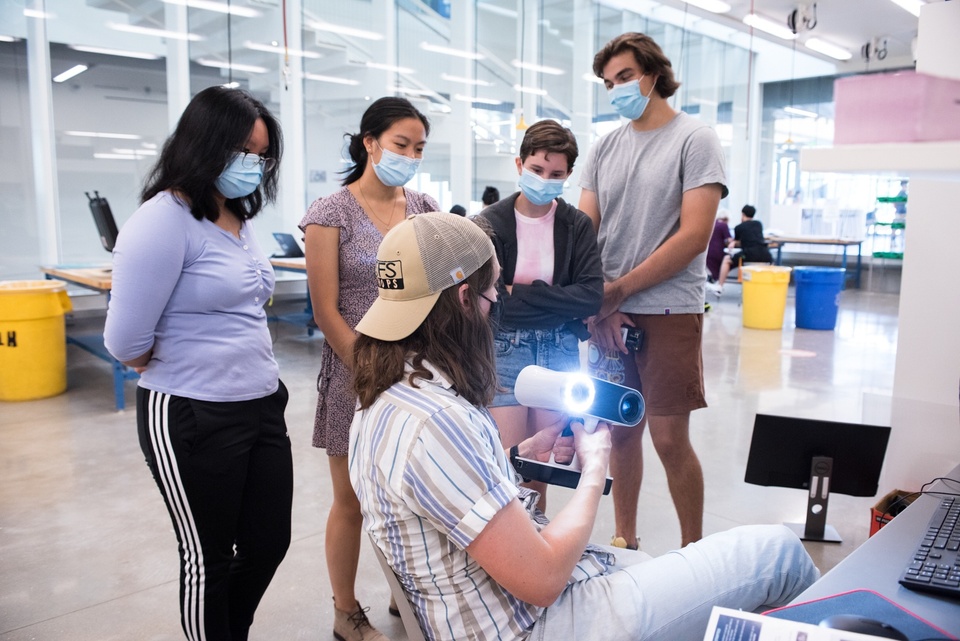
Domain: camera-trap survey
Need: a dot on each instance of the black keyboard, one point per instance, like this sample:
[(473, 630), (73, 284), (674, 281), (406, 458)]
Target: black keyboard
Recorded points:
[(935, 566)]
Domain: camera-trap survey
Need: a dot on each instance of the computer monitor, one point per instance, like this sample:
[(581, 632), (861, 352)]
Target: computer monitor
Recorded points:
[(289, 246), (820, 457), (103, 217)]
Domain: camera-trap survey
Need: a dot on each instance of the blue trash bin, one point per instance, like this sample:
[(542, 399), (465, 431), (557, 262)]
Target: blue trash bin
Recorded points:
[(818, 296)]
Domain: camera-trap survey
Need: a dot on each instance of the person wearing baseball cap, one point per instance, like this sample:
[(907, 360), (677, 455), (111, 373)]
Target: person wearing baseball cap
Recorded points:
[(440, 500)]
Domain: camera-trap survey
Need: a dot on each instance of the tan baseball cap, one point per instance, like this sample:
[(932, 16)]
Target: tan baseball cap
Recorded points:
[(418, 259)]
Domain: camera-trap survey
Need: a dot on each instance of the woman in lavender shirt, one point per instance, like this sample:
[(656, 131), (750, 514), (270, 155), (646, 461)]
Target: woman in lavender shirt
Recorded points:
[(186, 310), (342, 233)]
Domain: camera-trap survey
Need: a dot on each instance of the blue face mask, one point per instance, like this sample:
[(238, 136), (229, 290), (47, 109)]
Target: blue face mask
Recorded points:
[(627, 99), (395, 170), (539, 191), (239, 180)]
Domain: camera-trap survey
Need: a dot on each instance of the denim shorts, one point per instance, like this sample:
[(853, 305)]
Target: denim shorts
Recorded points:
[(556, 349)]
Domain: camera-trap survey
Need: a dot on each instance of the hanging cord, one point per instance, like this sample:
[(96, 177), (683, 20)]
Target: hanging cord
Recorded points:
[(286, 49), (746, 130), (229, 45)]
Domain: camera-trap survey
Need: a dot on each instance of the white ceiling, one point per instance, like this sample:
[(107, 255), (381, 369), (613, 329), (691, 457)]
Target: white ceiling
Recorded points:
[(846, 23)]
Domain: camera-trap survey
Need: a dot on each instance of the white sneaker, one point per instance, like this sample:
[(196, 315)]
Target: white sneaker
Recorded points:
[(716, 289)]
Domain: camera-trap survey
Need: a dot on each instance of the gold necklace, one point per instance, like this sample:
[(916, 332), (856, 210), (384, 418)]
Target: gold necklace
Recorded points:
[(393, 210)]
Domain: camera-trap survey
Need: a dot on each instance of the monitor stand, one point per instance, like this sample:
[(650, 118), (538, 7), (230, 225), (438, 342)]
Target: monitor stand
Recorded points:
[(816, 528)]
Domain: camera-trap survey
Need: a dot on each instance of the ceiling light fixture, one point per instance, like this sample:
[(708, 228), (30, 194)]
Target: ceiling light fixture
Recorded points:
[(828, 49), (553, 71), (482, 101), (344, 31), (410, 91), (713, 6), (531, 90), (42, 15), (801, 112), (385, 67), (331, 79), (589, 77), (768, 26), (76, 70), (235, 66), (7, 39), (467, 81), (256, 46), (219, 7), (148, 31), (141, 55), (913, 6), (458, 53), (101, 134)]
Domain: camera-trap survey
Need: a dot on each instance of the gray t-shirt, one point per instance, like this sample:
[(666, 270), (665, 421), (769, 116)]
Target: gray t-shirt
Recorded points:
[(639, 178)]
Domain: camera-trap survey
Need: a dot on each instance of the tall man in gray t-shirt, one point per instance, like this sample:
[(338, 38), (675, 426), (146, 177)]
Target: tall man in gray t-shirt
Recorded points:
[(652, 188)]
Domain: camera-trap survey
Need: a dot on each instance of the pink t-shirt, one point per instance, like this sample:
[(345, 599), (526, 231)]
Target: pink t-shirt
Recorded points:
[(534, 248)]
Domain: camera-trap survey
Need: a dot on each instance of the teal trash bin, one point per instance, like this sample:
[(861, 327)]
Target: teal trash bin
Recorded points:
[(818, 296)]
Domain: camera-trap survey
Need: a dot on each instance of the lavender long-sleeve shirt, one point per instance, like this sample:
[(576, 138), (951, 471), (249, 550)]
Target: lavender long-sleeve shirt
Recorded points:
[(195, 294)]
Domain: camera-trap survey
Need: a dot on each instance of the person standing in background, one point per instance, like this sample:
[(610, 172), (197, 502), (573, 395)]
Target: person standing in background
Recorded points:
[(716, 250), (186, 311), (551, 280), (342, 233), (652, 188)]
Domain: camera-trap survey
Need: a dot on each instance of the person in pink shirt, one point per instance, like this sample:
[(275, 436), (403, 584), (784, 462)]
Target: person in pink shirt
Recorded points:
[(550, 281)]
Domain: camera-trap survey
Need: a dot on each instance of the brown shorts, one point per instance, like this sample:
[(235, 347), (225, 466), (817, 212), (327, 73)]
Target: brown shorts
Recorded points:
[(668, 369)]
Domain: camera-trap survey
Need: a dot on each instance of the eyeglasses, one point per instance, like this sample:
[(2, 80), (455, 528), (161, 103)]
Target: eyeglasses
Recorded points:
[(249, 161)]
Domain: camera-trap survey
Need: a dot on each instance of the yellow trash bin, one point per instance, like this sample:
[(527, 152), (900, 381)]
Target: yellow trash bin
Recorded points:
[(33, 346), (764, 296)]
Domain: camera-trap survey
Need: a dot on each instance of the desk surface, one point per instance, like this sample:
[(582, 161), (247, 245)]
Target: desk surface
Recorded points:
[(813, 240), (98, 278), (877, 564), (290, 264)]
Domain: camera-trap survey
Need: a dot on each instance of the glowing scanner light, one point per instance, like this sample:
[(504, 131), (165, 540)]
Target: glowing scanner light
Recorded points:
[(578, 393)]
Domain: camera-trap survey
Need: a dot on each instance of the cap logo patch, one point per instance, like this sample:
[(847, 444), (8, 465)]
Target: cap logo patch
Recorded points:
[(457, 275), (390, 274)]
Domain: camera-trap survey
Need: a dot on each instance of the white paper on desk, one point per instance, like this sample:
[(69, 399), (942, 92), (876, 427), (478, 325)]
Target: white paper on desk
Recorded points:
[(735, 625)]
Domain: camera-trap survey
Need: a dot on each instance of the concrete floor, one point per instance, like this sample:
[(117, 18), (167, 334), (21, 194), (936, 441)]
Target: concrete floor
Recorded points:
[(87, 551)]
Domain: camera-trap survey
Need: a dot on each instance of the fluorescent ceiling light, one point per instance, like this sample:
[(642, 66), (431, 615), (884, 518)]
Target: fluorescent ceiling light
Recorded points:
[(160, 33), (219, 64), (828, 49), (459, 53), (500, 11), (768, 26), (331, 79), (102, 134), (141, 152), (800, 112), (466, 81), (713, 6), (530, 90), (482, 101), (384, 67), (256, 46), (411, 91), (219, 7), (70, 73), (553, 71), (913, 6), (7, 39), (42, 15), (231, 85), (589, 77), (344, 31), (142, 55), (104, 156)]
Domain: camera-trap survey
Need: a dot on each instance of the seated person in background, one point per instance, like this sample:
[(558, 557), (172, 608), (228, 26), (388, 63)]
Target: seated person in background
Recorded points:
[(718, 243), (459, 210), (748, 236), (441, 501), (490, 195)]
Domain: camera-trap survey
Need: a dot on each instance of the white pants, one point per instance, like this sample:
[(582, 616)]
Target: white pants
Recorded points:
[(669, 598)]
